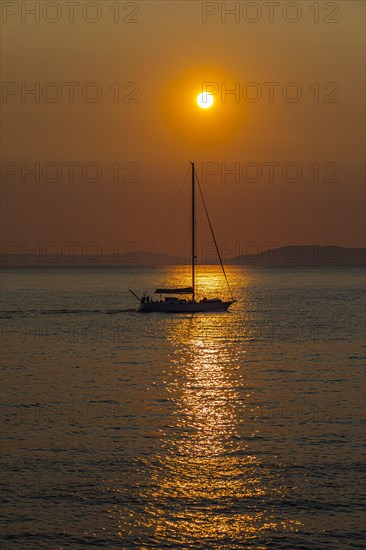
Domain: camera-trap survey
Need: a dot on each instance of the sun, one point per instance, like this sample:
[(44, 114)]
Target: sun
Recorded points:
[(205, 100)]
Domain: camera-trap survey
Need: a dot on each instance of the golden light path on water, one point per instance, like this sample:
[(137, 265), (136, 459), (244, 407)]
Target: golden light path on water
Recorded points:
[(206, 487)]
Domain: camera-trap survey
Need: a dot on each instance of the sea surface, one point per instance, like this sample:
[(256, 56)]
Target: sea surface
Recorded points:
[(229, 430)]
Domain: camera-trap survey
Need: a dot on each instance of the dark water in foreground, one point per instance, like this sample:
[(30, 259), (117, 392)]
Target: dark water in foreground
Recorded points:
[(236, 430)]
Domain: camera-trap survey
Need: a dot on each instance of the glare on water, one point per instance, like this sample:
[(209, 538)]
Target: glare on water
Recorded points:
[(202, 478)]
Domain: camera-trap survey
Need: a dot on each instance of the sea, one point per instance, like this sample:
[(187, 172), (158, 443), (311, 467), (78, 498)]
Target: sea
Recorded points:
[(241, 429)]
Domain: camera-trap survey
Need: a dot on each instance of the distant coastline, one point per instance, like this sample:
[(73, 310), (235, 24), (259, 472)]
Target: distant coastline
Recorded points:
[(290, 255)]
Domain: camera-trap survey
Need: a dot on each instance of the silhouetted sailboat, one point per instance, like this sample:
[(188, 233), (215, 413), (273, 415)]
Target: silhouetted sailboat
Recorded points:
[(173, 300)]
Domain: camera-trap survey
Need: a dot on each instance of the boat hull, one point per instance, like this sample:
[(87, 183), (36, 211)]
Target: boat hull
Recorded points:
[(183, 307)]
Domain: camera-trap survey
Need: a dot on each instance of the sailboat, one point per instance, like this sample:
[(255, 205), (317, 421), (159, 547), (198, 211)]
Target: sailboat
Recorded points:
[(183, 300)]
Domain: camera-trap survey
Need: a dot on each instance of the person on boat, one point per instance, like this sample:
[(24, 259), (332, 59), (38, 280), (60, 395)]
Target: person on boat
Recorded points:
[(148, 298)]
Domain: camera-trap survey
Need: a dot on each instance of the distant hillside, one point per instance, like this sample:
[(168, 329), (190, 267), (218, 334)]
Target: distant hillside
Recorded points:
[(304, 255), (134, 257), (291, 255)]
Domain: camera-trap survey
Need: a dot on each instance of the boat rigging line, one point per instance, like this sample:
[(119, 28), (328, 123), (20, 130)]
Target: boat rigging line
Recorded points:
[(213, 235)]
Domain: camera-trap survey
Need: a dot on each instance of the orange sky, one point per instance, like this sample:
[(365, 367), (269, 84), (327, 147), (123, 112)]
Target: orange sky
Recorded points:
[(160, 62)]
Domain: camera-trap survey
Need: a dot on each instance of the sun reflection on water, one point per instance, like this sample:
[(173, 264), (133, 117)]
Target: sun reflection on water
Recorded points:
[(205, 486)]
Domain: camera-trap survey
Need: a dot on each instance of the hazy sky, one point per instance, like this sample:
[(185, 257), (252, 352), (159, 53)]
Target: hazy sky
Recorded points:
[(115, 99)]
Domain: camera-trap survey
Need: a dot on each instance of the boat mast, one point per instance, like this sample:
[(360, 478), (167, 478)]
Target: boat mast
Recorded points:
[(193, 233)]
